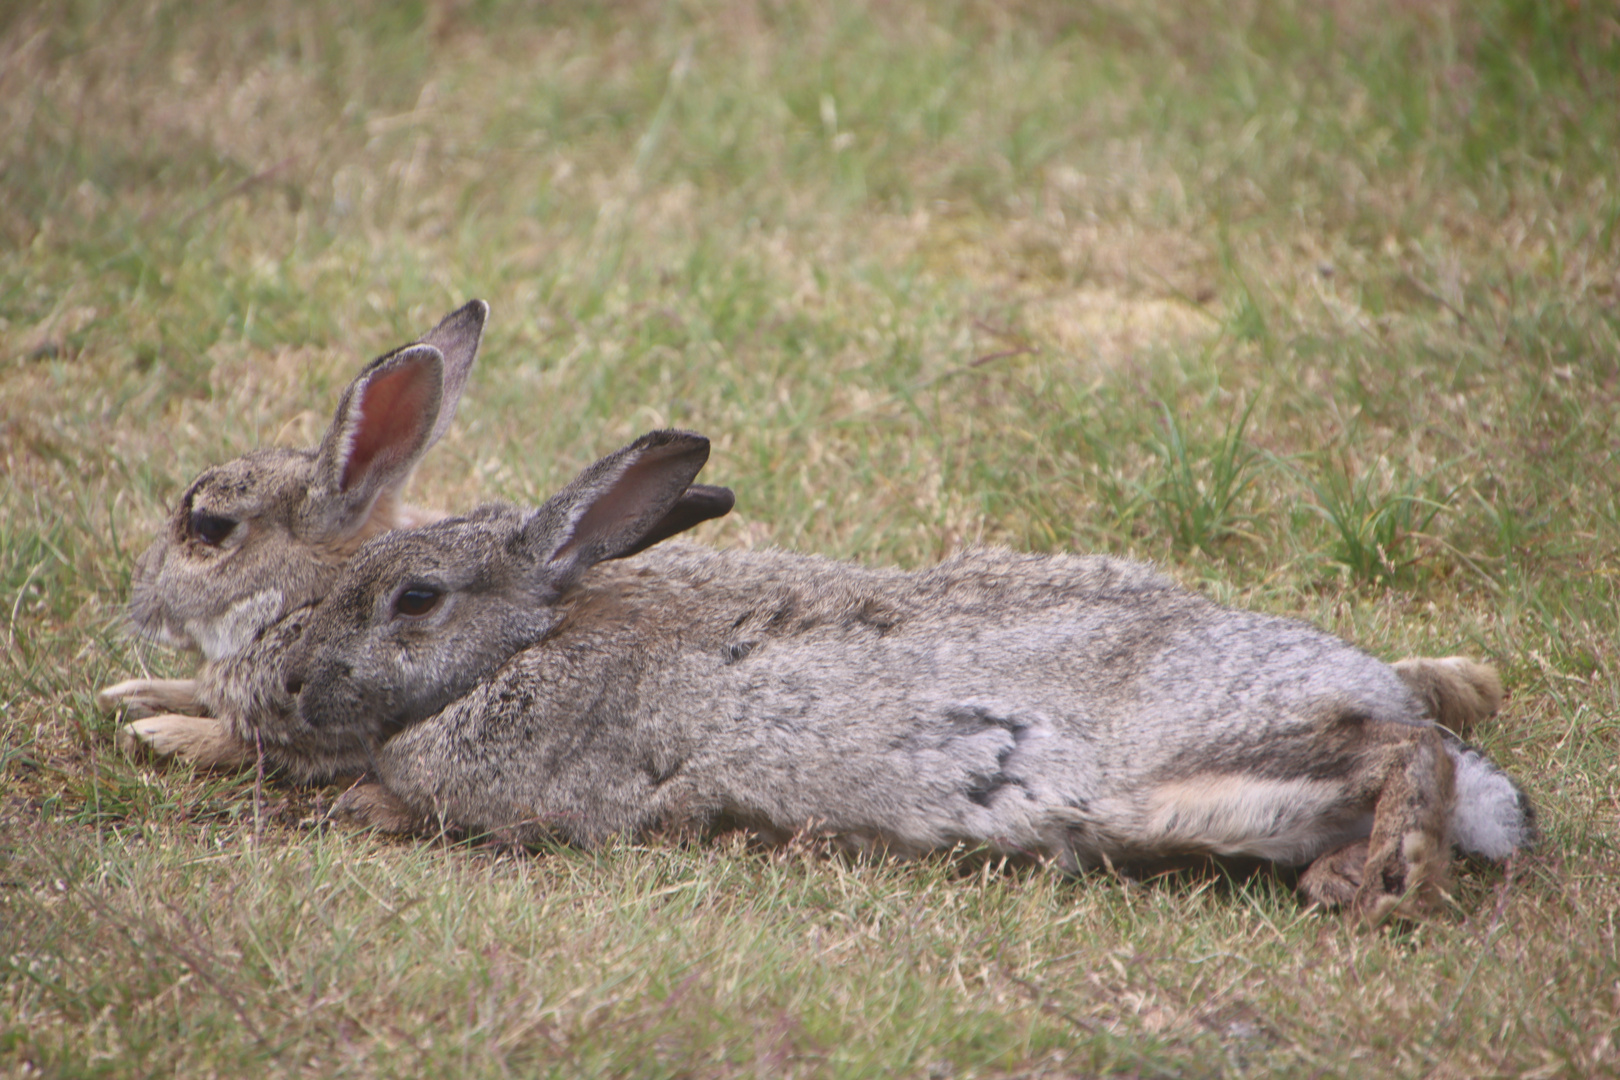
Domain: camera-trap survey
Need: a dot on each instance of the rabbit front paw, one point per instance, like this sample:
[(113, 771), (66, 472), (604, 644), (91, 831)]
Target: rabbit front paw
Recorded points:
[(150, 697), (200, 740), (369, 805)]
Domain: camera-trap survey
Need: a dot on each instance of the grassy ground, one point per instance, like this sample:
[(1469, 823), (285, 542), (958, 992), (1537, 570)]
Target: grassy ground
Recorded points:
[(1315, 305)]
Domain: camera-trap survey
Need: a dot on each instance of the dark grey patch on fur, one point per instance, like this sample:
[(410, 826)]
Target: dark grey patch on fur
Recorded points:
[(969, 718), (1528, 809), (739, 650), (661, 776), (872, 614), (984, 788)]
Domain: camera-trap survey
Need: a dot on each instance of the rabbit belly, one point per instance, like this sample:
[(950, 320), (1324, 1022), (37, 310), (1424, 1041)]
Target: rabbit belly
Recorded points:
[(1289, 821)]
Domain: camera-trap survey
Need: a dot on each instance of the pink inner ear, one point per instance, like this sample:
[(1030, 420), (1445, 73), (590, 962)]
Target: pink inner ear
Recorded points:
[(390, 419)]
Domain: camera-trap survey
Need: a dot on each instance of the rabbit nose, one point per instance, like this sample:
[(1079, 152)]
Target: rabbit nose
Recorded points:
[(293, 677)]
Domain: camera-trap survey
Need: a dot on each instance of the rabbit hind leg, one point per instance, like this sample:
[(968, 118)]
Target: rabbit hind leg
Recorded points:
[(1401, 869)]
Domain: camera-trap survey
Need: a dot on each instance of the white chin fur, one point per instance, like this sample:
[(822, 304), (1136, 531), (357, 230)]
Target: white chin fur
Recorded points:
[(1489, 819), (233, 631)]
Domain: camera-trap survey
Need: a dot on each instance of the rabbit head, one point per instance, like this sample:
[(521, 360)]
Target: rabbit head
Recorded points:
[(257, 537), (421, 617)]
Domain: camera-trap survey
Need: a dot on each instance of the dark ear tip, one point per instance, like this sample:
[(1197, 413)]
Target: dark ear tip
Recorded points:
[(670, 444), (697, 504), (469, 318), (674, 437), (715, 501)]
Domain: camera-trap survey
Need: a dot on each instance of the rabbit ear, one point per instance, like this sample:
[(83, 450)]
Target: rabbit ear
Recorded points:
[(384, 423), (618, 505), (697, 504), (457, 338)]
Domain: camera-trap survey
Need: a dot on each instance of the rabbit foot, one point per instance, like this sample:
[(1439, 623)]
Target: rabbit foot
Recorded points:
[(149, 697), (1334, 879), (1403, 884), (1403, 880), (1408, 857), (371, 806), (1343, 878), (1401, 870), (200, 740)]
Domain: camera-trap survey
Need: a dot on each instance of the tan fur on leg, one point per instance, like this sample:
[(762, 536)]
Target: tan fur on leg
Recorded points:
[(150, 697), (1457, 692), (1334, 879), (1408, 859), (200, 740)]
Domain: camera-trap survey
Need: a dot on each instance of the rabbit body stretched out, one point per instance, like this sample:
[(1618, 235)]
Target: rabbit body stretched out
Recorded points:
[(1078, 708)]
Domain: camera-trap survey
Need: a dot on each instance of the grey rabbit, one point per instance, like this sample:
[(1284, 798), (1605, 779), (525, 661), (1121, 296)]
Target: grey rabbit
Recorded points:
[(253, 541), (502, 676)]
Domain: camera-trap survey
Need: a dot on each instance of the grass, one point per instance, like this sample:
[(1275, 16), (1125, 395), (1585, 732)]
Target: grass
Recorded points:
[(1314, 305)]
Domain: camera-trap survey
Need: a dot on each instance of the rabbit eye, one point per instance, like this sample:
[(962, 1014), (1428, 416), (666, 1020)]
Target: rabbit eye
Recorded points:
[(417, 601), (211, 529)]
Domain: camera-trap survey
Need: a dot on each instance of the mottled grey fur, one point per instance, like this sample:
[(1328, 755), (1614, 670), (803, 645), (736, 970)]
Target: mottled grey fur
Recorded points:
[(1082, 709)]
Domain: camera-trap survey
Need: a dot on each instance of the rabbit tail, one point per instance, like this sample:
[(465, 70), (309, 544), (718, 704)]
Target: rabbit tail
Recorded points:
[(1492, 818)]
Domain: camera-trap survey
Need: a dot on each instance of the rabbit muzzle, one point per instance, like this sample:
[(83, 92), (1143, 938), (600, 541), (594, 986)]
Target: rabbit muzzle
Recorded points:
[(325, 695), (147, 611)]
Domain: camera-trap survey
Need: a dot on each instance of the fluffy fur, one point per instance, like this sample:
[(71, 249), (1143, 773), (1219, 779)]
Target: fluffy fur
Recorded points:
[(1081, 709)]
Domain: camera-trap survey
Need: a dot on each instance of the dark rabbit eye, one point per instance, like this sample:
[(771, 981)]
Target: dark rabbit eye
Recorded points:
[(211, 529), (417, 601)]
